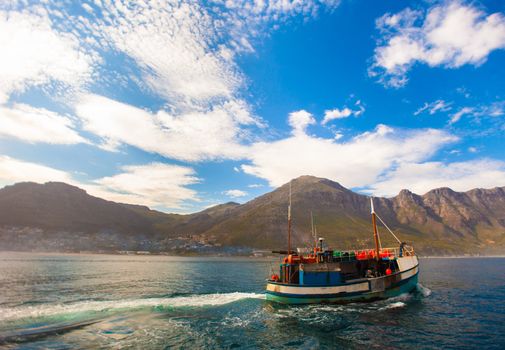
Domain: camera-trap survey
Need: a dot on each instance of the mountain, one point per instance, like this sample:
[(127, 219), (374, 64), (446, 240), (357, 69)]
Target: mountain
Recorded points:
[(57, 216), (61, 206)]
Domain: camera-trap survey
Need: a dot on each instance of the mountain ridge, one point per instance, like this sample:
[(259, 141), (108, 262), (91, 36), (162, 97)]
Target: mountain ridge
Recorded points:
[(441, 221)]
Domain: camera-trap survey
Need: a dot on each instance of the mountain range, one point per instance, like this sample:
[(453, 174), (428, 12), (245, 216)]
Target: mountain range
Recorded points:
[(60, 217)]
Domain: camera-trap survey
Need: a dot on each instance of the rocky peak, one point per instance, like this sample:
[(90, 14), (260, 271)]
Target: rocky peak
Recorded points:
[(405, 197)]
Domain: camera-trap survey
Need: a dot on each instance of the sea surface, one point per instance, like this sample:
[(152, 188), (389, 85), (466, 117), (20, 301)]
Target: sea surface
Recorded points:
[(55, 301)]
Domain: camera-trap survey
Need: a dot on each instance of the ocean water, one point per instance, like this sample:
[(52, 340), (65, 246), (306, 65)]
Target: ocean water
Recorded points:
[(52, 301)]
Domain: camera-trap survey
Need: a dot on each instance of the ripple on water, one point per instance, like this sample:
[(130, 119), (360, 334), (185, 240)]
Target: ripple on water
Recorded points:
[(152, 309)]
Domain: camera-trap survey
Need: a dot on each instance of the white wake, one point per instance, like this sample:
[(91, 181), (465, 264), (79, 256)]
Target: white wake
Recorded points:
[(21, 312), (394, 305), (425, 291)]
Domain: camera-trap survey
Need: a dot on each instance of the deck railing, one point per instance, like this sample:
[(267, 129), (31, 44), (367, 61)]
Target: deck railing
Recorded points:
[(362, 254)]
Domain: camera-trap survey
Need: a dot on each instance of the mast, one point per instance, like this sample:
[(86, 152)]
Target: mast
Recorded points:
[(289, 220), (375, 233)]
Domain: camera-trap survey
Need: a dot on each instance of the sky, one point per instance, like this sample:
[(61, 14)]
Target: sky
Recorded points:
[(182, 105)]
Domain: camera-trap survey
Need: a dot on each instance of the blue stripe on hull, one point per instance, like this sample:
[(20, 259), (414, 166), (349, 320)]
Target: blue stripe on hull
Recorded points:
[(405, 286)]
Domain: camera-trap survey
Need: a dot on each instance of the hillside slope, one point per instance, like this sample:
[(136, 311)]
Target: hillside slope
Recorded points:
[(56, 205)]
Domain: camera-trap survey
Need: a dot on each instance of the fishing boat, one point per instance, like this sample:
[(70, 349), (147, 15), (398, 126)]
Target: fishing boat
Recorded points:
[(335, 276)]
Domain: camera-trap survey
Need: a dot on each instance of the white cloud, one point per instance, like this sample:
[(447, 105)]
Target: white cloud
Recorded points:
[(356, 163), (193, 136), (35, 54), (450, 34), (157, 184), (87, 8), (37, 125), (472, 149), (183, 51), (332, 114), (235, 193), (14, 170), (300, 120), (460, 176), (160, 185), (434, 107), (336, 113), (255, 185)]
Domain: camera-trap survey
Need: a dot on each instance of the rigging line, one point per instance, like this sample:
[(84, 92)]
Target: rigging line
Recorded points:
[(388, 229), (379, 237), (295, 269)]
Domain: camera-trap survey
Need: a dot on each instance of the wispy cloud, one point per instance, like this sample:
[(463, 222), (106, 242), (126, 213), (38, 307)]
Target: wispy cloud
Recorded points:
[(34, 53), (434, 107), (235, 193), (185, 51), (461, 112), (176, 46), (450, 34), (255, 185), (493, 110)]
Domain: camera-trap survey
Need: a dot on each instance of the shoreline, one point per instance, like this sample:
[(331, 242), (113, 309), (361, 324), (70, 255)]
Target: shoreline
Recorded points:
[(195, 255)]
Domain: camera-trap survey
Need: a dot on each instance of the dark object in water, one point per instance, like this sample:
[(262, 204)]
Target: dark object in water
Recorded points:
[(29, 334)]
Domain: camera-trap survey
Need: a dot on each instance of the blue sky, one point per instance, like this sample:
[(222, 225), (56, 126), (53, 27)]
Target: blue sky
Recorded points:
[(182, 105)]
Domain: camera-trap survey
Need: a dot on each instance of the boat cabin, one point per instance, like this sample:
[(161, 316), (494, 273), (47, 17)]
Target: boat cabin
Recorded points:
[(335, 267)]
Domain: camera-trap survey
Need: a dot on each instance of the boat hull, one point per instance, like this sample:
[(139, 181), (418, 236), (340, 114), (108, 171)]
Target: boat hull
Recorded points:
[(363, 290)]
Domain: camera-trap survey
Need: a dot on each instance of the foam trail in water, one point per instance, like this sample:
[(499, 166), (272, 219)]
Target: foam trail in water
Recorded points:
[(8, 314), (425, 291), (394, 305)]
